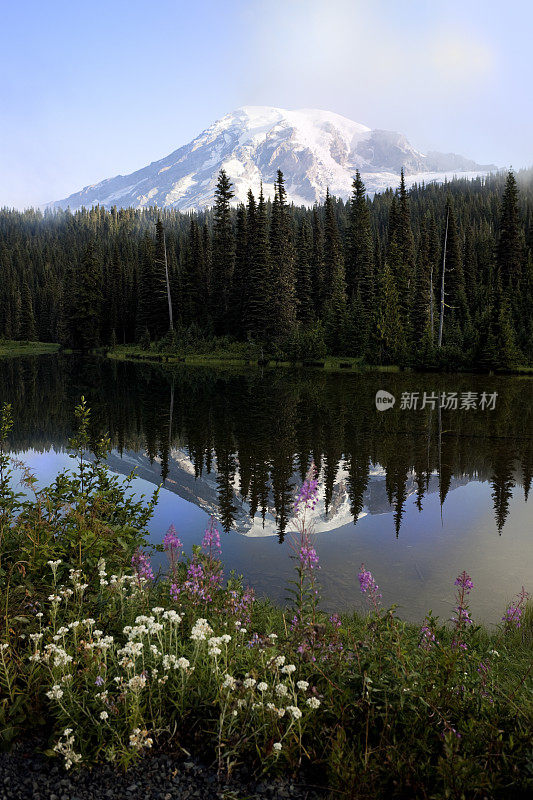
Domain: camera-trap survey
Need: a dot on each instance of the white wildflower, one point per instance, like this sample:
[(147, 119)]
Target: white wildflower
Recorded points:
[(172, 616), (201, 630), (276, 746), (137, 683), (55, 693), (262, 686), (303, 685), (281, 690), (249, 683), (288, 669), (294, 711), (140, 739), (229, 683), (313, 702)]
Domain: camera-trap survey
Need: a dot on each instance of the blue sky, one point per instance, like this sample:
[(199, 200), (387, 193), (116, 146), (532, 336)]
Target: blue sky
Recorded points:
[(90, 90)]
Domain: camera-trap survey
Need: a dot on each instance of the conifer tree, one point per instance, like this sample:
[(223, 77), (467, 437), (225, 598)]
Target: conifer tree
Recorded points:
[(401, 251), (335, 305), (257, 313), (456, 307), (146, 314), (85, 317), (359, 270), (389, 335), (27, 317), (223, 253), (240, 274), (317, 263), (359, 247), (304, 287), (283, 301), (510, 250)]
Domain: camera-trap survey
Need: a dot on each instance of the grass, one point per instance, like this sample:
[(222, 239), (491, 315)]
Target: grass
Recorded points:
[(230, 357), (10, 349)]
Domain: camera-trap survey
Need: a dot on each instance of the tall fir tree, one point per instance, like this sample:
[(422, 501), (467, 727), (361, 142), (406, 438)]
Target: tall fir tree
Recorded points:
[(282, 264), (304, 286), (27, 317), (257, 313), (511, 246), (223, 254), (335, 305), (85, 313)]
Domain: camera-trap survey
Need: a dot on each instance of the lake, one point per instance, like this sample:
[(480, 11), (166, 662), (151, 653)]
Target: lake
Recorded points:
[(417, 492)]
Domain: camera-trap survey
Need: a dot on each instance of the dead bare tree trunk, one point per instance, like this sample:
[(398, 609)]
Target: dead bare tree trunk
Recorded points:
[(170, 320), (431, 310), (441, 323)]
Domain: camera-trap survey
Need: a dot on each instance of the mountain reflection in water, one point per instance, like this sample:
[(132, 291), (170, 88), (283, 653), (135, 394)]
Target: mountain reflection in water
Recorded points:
[(239, 444)]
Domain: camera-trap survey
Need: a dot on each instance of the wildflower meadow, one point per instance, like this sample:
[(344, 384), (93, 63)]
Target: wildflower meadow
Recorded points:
[(109, 661)]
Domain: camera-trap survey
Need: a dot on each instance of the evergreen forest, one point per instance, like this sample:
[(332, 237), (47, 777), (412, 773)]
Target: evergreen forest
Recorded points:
[(438, 276)]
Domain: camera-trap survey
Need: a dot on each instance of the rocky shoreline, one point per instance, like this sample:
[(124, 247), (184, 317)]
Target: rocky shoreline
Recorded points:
[(26, 774)]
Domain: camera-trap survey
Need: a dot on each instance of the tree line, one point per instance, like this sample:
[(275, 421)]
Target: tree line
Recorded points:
[(434, 276)]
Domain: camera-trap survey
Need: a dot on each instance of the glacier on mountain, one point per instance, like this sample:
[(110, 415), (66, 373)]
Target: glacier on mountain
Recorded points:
[(316, 150)]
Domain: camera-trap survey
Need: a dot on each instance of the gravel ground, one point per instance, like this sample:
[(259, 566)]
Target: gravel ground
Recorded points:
[(26, 775)]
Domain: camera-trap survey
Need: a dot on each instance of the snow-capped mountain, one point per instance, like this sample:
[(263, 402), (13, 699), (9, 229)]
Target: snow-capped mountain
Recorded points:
[(315, 150)]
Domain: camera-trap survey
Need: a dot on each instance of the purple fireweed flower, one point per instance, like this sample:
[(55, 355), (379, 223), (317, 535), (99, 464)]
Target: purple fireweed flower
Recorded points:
[(141, 564), (464, 581), (369, 587), (211, 540), (171, 540), (463, 616), (335, 620), (427, 637), (308, 494), (308, 556), (367, 583), (240, 606), (512, 616), (513, 613)]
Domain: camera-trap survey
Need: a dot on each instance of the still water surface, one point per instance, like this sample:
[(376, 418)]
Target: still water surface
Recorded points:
[(416, 494)]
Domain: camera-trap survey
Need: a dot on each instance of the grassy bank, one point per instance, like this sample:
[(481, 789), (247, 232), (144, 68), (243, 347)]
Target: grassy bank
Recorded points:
[(9, 349), (240, 354), (111, 662), (236, 357)]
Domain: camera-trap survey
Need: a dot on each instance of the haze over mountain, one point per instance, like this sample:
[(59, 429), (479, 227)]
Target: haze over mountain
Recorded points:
[(315, 150)]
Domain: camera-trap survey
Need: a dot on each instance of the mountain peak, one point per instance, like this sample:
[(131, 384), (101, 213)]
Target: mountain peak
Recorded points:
[(315, 149)]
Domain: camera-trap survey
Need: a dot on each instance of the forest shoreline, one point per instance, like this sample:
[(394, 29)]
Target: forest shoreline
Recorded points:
[(329, 364), (11, 349), (335, 364)]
